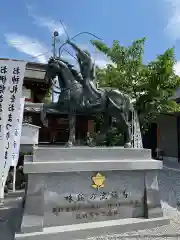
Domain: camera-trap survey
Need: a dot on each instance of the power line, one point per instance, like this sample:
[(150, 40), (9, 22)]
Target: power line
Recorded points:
[(41, 54)]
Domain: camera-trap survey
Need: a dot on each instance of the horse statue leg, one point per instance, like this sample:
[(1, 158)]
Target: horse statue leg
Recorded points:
[(72, 126), (120, 111), (127, 132), (103, 131), (43, 112), (123, 123), (127, 127), (120, 107)]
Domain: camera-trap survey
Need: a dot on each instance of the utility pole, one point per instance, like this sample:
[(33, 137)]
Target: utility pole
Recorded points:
[(54, 39)]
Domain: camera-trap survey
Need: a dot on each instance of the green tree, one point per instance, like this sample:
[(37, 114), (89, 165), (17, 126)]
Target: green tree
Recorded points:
[(149, 85), (48, 96)]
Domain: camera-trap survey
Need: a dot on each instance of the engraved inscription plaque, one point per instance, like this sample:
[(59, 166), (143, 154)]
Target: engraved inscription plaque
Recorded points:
[(72, 198)]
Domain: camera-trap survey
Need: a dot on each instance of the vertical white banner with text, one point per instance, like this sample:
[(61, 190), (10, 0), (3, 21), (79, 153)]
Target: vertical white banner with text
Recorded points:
[(17, 133), (137, 138), (15, 75), (4, 85)]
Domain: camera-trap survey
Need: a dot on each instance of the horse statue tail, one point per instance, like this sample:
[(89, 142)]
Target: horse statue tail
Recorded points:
[(135, 129)]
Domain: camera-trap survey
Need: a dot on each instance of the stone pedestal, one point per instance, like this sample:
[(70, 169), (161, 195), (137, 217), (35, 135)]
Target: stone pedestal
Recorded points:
[(82, 191), (30, 134)]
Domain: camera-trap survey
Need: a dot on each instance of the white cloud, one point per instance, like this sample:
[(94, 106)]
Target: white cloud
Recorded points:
[(177, 68), (100, 62), (29, 46), (173, 24), (50, 24), (46, 22), (173, 7)]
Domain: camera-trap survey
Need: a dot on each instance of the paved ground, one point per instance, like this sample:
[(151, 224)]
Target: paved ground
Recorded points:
[(10, 217)]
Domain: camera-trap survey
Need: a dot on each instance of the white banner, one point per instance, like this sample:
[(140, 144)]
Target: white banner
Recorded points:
[(4, 84), (137, 137), (17, 133), (14, 72)]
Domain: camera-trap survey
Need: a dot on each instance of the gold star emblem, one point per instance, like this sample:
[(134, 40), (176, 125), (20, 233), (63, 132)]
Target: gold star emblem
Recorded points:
[(98, 181)]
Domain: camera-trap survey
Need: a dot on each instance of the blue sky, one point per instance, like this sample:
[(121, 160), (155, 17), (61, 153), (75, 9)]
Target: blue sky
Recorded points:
[(26, 26)]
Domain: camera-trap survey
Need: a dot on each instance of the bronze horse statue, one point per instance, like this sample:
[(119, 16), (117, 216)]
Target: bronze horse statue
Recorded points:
[(111, 103)]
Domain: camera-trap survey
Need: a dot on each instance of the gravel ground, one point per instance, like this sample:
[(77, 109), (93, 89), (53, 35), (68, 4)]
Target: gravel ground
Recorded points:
[(169, 185)]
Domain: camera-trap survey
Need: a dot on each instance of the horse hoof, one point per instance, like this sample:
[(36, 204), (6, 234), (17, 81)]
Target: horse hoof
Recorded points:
[(91, 144), (45, 123), (69, 144), (127, 145)]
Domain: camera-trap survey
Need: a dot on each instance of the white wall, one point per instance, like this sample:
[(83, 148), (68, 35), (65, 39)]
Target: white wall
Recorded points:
[(26, 92)]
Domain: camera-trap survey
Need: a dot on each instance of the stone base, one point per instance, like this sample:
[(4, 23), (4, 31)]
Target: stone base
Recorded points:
[(59, 154), (80, 189), (82, 231), (60, 159)]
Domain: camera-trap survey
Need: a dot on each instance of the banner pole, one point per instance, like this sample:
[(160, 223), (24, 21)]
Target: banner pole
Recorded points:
[(14, 179)]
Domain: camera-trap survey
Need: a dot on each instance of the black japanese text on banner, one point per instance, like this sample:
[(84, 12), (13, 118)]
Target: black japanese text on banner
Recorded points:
[(15, 76), (4, 89), (17, 133)]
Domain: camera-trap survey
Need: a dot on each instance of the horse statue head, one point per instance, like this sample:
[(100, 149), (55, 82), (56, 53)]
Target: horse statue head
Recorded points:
[(52, 69)]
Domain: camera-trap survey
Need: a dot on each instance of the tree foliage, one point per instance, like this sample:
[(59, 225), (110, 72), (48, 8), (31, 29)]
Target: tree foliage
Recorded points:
[(48, 96), (150, 85)]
